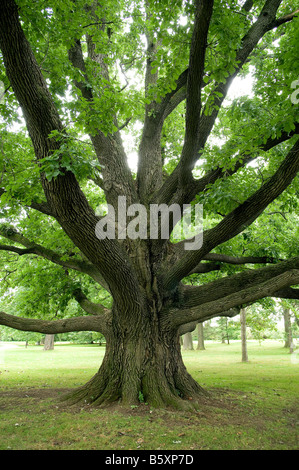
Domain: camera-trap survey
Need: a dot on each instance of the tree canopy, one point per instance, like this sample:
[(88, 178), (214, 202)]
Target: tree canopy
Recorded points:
[(90, 86)]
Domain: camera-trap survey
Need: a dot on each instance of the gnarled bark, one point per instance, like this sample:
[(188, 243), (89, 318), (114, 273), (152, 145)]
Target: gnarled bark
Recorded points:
[(142, 362)]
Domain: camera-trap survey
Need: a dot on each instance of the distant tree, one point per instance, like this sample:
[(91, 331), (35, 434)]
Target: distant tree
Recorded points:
[(290, 310), (188, 341), (243, 335), (49, 342), (200, 337)]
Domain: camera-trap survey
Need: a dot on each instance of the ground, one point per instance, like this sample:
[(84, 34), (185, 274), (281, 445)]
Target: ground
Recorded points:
[(251, 406), (223, 413)]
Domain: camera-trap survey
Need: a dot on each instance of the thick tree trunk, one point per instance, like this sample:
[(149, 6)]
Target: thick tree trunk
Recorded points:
[(141, 360)]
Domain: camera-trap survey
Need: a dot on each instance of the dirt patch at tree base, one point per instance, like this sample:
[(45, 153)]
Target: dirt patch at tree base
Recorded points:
[(222, 405)]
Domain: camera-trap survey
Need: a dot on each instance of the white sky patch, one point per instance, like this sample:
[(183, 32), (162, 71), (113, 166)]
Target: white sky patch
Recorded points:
[(241, 86)]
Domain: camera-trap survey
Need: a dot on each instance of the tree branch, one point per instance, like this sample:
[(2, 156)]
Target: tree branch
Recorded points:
[(99, 323), (188, 327), (14, 249), (191, 296), (88, 306), (42, 207), (239, 259), (284, 19), (149, 171), (63, 193), (203, 16), (117, 178), (287, 293), (171, 189), (34, 248), (221, 258), (241, 298), (247, 5), (240, 218)]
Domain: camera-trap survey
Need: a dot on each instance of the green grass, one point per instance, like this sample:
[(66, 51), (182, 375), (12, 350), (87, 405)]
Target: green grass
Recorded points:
[(252, 405)]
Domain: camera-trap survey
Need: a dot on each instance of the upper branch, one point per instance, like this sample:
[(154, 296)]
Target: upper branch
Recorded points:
[(177, 185), (149, 172), (239, 218), (116, 176), (203, 16), (283, 19), (200, 185)]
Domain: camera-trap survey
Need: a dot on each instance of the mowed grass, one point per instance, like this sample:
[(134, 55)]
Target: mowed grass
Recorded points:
[(251, 406)]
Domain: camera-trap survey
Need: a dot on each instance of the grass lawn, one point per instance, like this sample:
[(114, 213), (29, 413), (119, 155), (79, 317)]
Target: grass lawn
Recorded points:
[(252, 406)]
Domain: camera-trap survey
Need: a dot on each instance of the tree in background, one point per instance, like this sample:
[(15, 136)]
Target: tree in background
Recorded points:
[(188, 341), (243, 335), (289, 309), (75, 69), (200, 337)]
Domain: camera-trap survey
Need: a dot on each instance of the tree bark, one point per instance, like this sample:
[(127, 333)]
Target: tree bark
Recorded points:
[(141, 358)]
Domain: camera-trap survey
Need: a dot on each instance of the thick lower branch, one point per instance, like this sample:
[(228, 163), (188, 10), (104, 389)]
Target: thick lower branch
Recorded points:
[(188, 327), (213, 308), (220, 288), (90, 323)]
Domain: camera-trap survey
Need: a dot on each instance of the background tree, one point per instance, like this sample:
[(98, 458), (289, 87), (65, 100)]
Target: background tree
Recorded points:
[(188, 341), (243, 335), (74, 69), (200, 337), (262, 319), (49, 342), (289, 309)]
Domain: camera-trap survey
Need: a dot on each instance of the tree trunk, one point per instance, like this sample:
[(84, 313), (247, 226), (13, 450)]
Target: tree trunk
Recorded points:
[(224, 330), (49, 342), (200, 343), (243, 335), (144, 360), (188, 342), (287, 328)]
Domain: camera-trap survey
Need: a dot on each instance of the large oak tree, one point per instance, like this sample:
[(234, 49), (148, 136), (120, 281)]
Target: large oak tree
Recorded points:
[(86, 75)]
